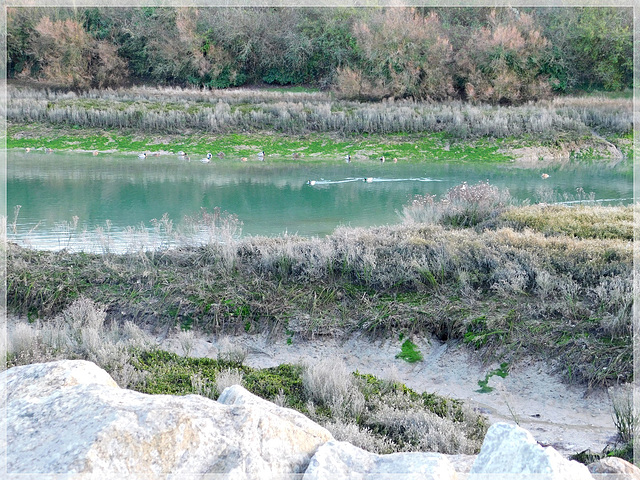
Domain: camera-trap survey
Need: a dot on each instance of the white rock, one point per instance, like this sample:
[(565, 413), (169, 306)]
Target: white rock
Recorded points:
[(237, 395), (341, 460), (69, 417), (511, 453)]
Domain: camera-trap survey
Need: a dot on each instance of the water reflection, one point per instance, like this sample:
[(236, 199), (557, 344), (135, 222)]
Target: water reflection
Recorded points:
[(269, 198)]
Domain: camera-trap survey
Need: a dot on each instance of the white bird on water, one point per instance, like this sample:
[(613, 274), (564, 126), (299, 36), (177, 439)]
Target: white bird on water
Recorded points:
[(348, 158), (142, 156), (311, 182), (368, 179), (261, 155), (208, 159)]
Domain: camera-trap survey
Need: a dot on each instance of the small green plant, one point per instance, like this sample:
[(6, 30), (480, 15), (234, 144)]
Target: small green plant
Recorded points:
[(500, 371), (410, 352)]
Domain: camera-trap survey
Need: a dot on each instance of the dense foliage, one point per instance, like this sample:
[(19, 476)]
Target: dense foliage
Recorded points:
[(499, 55)]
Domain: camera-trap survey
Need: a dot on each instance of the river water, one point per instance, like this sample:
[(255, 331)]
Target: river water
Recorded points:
[(109, 193)]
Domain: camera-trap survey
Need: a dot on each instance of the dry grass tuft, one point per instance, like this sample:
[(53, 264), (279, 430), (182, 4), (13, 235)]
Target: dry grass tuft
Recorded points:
[(79, 332)]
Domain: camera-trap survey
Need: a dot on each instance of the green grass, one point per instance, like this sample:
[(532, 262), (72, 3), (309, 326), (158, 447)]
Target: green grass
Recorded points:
[(279, 148), (410, 352)]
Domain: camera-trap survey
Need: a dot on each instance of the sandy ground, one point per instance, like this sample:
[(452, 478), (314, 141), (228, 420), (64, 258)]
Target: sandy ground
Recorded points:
[(566, 417)]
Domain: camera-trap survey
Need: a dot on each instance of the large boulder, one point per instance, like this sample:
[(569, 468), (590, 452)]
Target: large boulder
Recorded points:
[(513, 453), (69, 417), (341, 461)]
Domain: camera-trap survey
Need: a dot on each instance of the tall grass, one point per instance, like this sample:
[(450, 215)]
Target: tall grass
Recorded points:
[(218, 111), (331, 384)]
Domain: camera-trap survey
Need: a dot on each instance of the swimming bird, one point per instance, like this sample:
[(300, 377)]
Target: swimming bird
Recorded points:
[(48, 150), (545, 175), (142, 155), (243, 159), (311, 182), (207, 159), (220, 154), (261, 155), (296, 155), (27, 149), (381, 159), (181, 153), (395, 160), (95, 152), (368, 179), (348, 158)]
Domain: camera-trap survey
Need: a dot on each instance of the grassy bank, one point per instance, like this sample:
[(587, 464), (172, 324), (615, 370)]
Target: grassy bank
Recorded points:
[(550, 282), (278, 147), (287, 122)]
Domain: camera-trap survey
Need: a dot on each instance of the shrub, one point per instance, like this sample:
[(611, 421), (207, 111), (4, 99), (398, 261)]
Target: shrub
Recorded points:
[(501, 63), (331, 384), (67, 55), (227, 378), (404, 54), (462, 206), (80, 332)]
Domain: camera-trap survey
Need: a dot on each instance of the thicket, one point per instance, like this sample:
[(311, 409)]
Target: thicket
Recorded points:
[(481, 54)]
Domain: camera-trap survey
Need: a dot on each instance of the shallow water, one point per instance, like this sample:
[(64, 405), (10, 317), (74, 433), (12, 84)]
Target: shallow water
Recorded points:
[(269, 199)]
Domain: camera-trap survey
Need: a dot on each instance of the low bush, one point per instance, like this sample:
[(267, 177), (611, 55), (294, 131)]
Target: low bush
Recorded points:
[(462, 206)]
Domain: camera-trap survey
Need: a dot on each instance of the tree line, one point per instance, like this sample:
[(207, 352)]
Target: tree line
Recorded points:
[(478, 54)]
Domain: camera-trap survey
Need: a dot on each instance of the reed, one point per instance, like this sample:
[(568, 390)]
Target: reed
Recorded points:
[(171, 110)]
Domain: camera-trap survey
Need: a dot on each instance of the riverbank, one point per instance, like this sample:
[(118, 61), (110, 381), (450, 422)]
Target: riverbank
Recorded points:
[(303, 126), (545, 282), (319, 148)]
